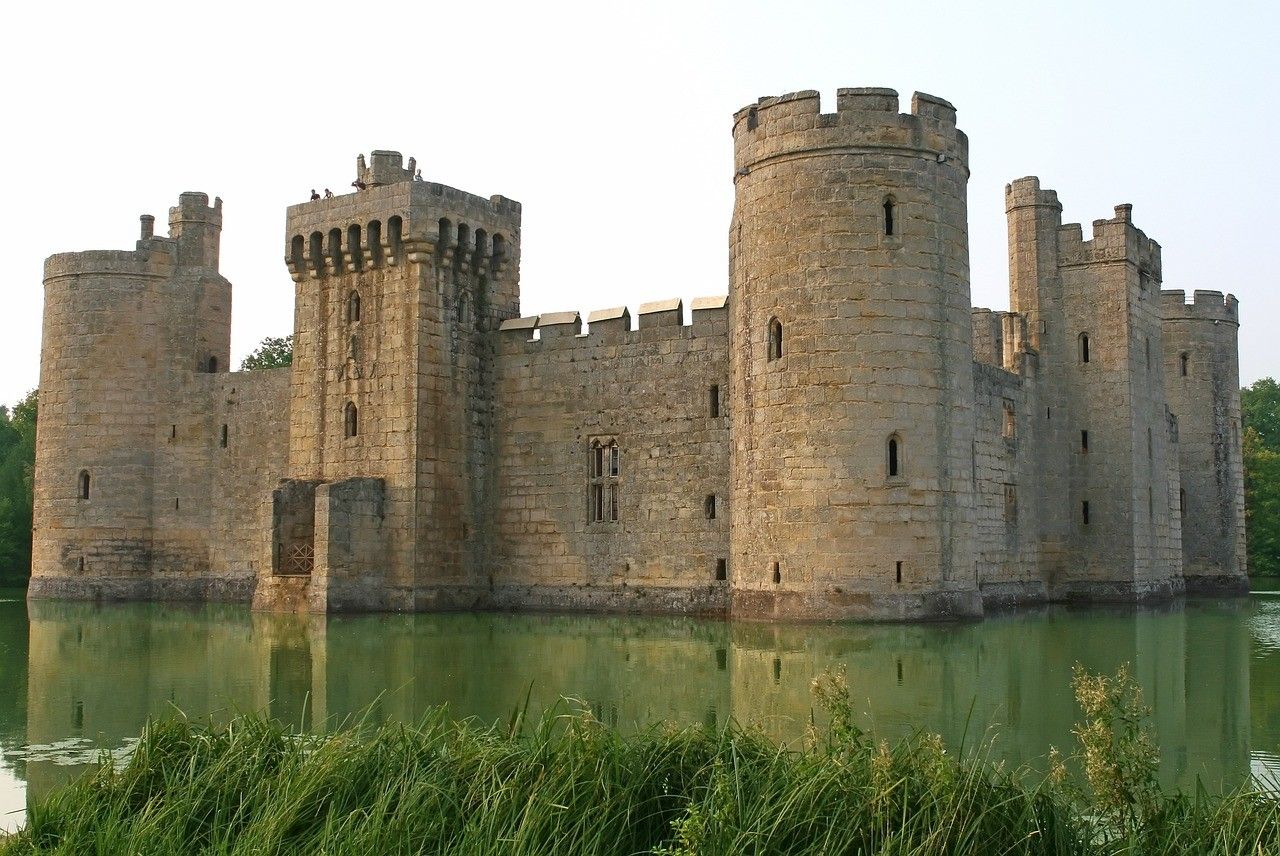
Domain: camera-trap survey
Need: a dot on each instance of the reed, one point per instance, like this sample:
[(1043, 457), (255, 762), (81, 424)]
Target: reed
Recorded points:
[(566, 784)]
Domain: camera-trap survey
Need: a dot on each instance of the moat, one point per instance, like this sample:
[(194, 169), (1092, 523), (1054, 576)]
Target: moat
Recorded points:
[(77, 676)]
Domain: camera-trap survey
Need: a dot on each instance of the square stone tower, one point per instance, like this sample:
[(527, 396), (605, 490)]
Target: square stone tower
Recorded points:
[(397, 287)]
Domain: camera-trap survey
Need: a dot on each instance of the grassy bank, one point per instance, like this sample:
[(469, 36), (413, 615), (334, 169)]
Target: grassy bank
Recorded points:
[(568, 785)]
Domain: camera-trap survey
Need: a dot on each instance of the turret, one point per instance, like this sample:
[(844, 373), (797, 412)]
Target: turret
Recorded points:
[(1202, 383), (851, 360), (196, 227)]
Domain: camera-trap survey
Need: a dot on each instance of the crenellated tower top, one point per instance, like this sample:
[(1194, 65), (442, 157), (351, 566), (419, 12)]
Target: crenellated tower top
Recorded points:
[(865, 118), (1206, 305)]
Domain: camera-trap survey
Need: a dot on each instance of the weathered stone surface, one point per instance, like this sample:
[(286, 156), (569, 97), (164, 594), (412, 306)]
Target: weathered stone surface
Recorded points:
[(430, 449)]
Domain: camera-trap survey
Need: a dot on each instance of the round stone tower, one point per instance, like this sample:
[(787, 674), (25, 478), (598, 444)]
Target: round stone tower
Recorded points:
[(851, 360), (121, 330)]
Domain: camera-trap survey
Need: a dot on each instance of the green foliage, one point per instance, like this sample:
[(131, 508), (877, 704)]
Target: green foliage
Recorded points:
[(17, 466), (1260, 406), (572, 786), (271, 353)]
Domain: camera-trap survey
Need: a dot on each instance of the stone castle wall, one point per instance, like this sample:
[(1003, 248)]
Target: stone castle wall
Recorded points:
[(659, 395), (842, 436)]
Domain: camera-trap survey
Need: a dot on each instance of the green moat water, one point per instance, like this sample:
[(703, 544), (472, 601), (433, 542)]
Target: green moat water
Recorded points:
[(75, 678)]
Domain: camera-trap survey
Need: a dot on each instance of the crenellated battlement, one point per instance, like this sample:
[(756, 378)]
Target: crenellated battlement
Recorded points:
[(194, 207), (1026, 193), (151, 257), (1206, 305), (657, 320), (398, 219), (865, 118), (1115, 239)]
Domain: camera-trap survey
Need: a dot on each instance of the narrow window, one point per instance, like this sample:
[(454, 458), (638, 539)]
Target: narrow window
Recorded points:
[(753, 119), (173, 432), (1048, 413), (1084, 512), (722, 570), (353, 307), (213, 365), (894, 453), (777, 573), (1010, 503), (775, 339), (1044, 327), (1010, 425), (351, 420), (777, 670), (499, 250), (175, 503), (709, 506), (1182, 501), (1182, 358), (1084, 347), (1151, 504), (1146, 352), (80, 565), (714, 400), (84, 484), (224, 436), (297, 253), (897, 574), (1084, 441), (888, 214), (1150, 446), (604, 487)]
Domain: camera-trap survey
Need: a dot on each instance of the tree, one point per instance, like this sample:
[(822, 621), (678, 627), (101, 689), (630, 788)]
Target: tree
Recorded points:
[(1260, 447), (1260, 407), (17, 468), (271, 353)]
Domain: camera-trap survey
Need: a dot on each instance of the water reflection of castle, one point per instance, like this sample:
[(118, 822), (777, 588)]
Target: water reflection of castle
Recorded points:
[(100, 671)]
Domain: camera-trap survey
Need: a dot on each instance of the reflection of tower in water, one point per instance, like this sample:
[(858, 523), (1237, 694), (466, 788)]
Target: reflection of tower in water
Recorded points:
[(99, 671)]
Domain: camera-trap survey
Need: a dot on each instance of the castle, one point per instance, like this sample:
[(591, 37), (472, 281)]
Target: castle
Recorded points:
[(843, 436)]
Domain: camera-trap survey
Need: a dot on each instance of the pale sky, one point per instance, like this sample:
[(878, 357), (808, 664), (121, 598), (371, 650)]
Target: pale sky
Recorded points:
[(611, 124)]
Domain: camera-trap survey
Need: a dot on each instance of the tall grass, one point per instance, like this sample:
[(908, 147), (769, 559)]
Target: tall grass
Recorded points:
[(568, 785)]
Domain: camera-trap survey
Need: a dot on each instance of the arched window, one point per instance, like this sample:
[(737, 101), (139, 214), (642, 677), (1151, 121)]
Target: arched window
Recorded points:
[(1182, 358), (317, 253), (893, 456), (353, 307), (482, 244), (775, 339), (353, 246), (374, 233), (351, 420), (297, 253), (335, 250), (444, 236), (890, 208), (83, 484), (499, 250), (395, 235), (1084, 347), (213, 365)]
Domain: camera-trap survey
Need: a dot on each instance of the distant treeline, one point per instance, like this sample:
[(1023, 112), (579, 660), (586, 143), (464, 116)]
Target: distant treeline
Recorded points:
[(17, 466)]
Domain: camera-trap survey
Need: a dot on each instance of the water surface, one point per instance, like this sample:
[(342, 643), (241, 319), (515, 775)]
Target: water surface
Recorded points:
[(76, 678)]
